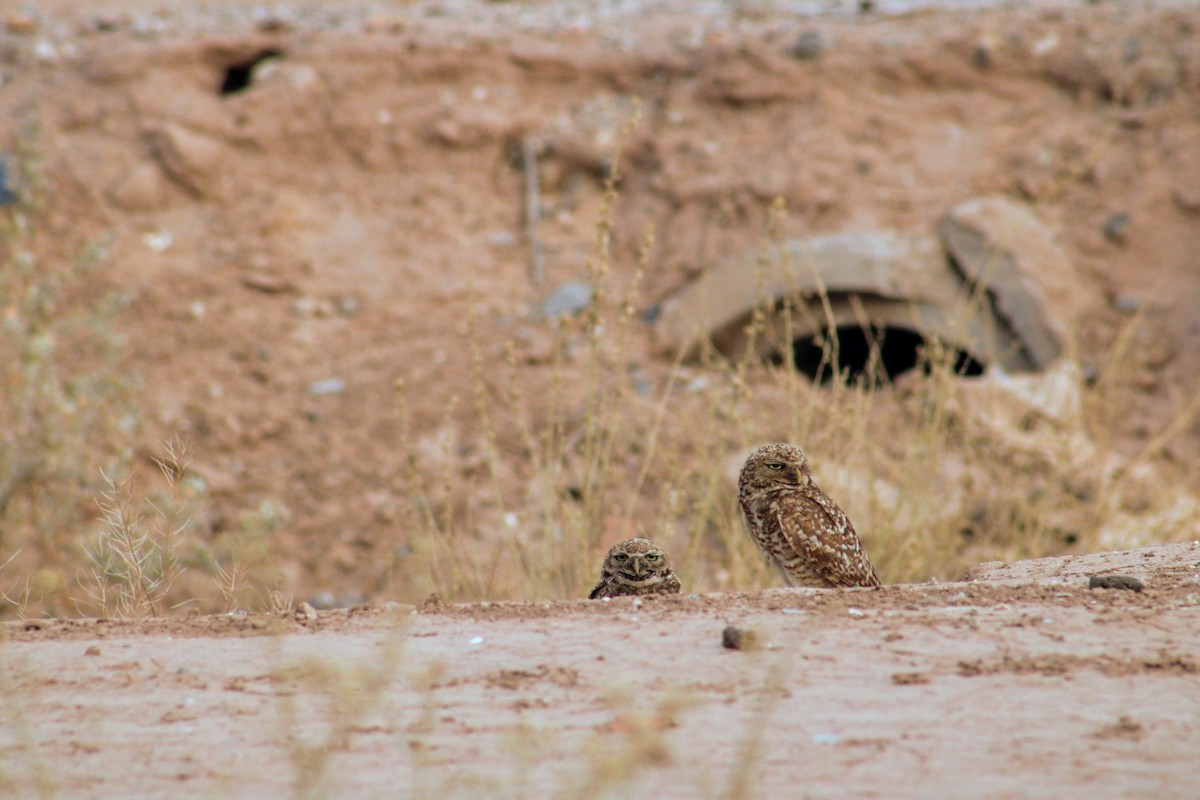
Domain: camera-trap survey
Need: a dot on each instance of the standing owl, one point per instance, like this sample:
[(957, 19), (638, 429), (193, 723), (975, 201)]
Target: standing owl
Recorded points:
[(802, 532), (633, 567)]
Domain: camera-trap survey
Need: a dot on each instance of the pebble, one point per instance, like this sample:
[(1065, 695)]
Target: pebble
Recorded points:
[(323, 600), (735, 638), (1128, 303), (7, 195), (1115, 227), (1126, 582), (570, 298), (327, 386), (159, 241), (808, 45)]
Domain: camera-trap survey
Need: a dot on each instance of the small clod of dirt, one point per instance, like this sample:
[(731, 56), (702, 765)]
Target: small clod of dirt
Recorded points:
[(431, 603), (1124, 728), (909, 678)]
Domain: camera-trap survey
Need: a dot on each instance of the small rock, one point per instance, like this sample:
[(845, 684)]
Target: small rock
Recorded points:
[(502, 239), (273, 24), (322, 600), (735, 638), (46, 51), (93, 650), (107, 23), (1115, 227), (305, 613), (159, 241), (7, 195), (809, 44), (327, 386), (266, 283), (1126, 582), (1128, 303), (191, 159), (570, 298)]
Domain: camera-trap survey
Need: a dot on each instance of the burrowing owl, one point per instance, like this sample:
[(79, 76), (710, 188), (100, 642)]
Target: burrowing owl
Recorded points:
[(803, 533), (636, 566)]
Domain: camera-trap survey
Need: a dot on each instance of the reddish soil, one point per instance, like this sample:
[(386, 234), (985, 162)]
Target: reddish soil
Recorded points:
[(357, 208)]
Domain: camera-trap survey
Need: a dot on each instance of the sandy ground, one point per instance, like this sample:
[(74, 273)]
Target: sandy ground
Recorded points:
[(1020, 683)]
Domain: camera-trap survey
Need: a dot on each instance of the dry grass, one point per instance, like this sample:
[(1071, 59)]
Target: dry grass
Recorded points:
[(135, 559), (66, 411), (324, 703)]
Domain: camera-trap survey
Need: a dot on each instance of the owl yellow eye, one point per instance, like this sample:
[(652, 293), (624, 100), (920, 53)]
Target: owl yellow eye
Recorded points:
[(621, 557), (652, 556), (775, 465)]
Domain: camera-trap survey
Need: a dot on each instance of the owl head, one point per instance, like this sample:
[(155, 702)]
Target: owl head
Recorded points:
[(776, 465), (637, 562)]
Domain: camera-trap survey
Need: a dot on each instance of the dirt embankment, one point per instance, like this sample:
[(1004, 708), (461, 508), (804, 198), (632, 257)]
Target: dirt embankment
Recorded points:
[(301, 208)]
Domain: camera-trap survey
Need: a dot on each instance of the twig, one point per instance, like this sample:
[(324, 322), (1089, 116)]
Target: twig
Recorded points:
[(537, 269)]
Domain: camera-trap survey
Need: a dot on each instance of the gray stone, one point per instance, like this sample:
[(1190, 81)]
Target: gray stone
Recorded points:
[(1115, 227), (809, 44), (570, 298), (327, 386)]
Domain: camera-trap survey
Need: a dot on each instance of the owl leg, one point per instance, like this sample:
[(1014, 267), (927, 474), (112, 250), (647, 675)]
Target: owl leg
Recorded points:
[(783, 573)]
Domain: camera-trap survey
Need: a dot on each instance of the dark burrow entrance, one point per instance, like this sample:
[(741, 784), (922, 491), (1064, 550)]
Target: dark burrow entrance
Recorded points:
[(899, 350), (238, 76)]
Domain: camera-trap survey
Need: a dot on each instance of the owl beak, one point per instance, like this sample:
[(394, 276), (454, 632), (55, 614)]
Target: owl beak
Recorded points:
[(637, 570)]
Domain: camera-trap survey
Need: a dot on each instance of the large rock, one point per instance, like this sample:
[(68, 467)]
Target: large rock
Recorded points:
[(190, 159), (1002, 248)]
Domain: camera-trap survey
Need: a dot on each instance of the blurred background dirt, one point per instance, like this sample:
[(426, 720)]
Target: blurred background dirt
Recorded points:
[(300, 206)]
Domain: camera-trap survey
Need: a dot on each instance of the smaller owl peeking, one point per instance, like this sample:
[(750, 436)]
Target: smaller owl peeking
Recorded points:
[(802, 532), (636, 567)]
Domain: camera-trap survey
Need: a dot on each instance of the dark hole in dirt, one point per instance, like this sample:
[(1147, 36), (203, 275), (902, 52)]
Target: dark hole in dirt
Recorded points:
[(238, 75), (899, 351)]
